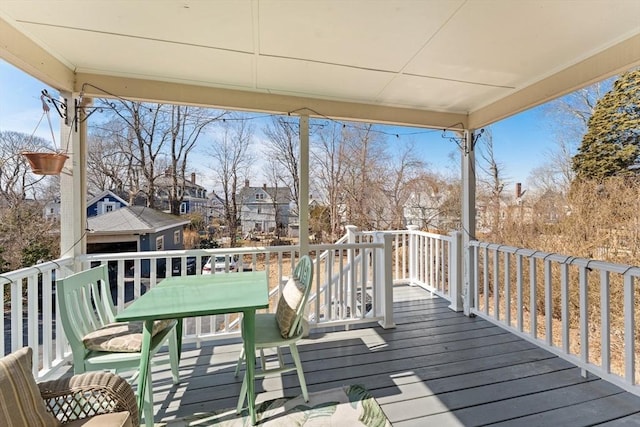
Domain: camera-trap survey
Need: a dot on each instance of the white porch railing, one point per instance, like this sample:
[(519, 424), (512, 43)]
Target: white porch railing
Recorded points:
[(352, 284), (29, 314), (583, 310)]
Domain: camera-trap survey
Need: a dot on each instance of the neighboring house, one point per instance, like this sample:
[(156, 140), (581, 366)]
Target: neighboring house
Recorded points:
[(194, 196), (216, 207), (423, 209), (513, 207), (103, 203), (262, 209), (51, 210), (135, 228)]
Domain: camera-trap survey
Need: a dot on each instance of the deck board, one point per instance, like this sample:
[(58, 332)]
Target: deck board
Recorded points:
[(436, 368)]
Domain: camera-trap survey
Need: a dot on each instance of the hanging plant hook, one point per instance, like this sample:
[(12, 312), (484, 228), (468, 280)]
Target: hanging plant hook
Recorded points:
[(60, 106)]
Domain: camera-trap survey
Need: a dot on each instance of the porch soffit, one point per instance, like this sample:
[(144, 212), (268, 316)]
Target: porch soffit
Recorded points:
[(434, 63)]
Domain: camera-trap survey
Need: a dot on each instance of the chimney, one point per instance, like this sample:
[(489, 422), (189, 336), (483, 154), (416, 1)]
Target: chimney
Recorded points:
[(264, 186), (246, 182), (193, 177), (518, 190)]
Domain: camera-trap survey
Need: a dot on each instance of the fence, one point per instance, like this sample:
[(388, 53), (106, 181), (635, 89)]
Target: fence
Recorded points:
[(580, 309)]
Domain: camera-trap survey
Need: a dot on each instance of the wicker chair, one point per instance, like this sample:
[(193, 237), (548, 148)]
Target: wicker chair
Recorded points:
[(93, 398), (90, 395)]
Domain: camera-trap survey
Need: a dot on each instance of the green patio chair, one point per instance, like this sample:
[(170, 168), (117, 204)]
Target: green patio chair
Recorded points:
[(282, 328), (97, 341)]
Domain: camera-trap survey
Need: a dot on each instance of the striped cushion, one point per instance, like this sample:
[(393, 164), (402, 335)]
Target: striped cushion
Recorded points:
[(288, 304), (123, 337), (20, 401)]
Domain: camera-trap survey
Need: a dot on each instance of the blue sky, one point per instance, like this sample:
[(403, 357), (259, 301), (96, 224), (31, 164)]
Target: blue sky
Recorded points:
[(520, 142)]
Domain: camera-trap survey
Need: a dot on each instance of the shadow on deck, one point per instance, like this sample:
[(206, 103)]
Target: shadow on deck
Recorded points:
[(436, 368)]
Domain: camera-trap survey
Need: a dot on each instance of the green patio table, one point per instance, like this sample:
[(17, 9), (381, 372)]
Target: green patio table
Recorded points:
[(189, 296)]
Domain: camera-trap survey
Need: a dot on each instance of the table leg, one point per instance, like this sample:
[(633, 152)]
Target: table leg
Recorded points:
[(179, 336), (249, 320), (144, 369)]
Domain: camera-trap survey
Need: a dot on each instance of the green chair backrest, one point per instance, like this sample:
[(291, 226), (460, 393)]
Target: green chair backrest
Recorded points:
[(304, 273), (85, 305)]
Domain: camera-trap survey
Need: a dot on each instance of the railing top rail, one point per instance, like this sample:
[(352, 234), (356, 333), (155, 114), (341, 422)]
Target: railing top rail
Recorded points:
[(222, 251), (14, 275), (416, 232), (560, 258)]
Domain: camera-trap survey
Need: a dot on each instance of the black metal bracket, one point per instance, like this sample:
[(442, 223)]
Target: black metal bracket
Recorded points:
[(60, 106), (461, 142), (88, 111)]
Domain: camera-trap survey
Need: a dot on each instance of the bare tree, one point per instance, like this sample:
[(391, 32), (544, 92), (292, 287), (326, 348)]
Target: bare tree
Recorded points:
[(492, 179), (187, 123), (282, 148), (364, 175), (109, 165), (24, 232), (403, 171), (17, 183), (328, 158), (231, 159), (568, 117), (143, 129)]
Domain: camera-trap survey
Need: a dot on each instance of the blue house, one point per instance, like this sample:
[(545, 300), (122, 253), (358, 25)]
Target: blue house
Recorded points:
[(135, 229), (105, 202)]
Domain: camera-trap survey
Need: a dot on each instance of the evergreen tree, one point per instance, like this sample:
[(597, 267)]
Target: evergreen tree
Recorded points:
[(612, 142)]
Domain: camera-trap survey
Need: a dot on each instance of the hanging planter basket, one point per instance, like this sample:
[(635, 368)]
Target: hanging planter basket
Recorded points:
[(46, 163)]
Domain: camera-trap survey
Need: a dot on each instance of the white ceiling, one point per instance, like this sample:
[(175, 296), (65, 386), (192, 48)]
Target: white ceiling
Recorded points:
[(404, 61)]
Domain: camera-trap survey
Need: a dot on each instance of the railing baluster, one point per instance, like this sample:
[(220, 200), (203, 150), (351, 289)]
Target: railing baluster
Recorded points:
[(564, 283), (32, 323), (519, 293), (548, 303), (629, 330), (533, 303), (584, 316), (485, 270), (496, 284), (605, 331), (16, 315), (507, 289)]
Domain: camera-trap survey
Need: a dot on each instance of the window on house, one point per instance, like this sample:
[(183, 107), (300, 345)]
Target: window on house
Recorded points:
[(259, 196), (183, 208), (176, 237), (106, 206), (259, 210), (160, 243)]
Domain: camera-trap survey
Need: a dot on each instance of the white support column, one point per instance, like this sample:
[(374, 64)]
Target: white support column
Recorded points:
[(413, 254), (303, 215), (468, 215), (73, 185), (455, 271), (384, 280)]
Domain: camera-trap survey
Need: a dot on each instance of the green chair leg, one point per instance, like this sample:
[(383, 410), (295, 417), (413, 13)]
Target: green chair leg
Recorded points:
[(296, 359), (243, 394), (148, 403), (174, 356), (240, 360)]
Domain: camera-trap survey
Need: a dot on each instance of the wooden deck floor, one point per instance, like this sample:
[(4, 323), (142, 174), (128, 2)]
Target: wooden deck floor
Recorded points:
[(437, 368)]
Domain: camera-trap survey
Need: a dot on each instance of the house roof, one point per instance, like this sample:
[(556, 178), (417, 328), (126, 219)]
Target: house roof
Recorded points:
[(166, 181), (134, 219), (105, 193), (437, 63), (280, 194)]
